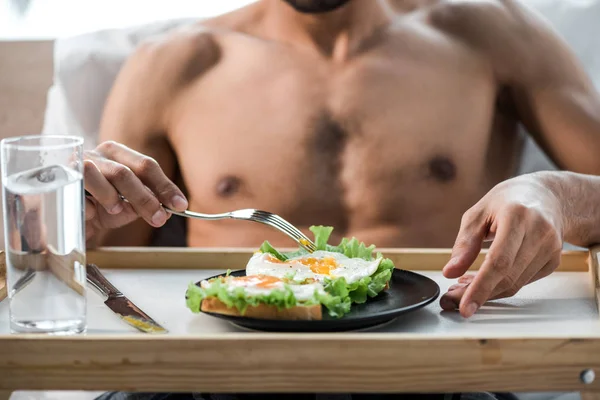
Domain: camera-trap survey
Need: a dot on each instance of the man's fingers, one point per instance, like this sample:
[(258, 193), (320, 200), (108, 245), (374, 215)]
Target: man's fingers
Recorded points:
[(90, 231), (540, 244), (451, 299), (510, 287), (33, 228), (546, 270), (466, 278), (104, 220), (102, 190), (541, 266), (496, 266), (90, 209), (148, 171), (552, 250), (473, 228), (528, 256), (129, 185)]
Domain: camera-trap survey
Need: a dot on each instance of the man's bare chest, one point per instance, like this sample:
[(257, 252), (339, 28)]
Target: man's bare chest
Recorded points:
[(295, 136)]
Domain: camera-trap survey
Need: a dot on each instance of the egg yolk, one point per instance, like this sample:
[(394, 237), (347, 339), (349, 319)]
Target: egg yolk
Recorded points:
[(272, 259), (321, 266), (261, 281)]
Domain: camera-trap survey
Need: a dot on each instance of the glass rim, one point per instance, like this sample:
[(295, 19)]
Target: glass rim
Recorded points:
[(17, 142)]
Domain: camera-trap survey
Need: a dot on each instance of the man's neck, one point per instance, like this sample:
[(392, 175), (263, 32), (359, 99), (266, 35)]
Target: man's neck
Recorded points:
[(333, 34)]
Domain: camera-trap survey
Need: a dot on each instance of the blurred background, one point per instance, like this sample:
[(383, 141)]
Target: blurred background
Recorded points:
[(45, 19)]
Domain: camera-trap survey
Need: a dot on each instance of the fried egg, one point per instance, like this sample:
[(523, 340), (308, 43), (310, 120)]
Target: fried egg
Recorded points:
[(318, 266), (264, 284)]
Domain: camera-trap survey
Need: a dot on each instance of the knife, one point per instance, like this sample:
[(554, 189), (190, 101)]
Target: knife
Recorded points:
[(121, 305)]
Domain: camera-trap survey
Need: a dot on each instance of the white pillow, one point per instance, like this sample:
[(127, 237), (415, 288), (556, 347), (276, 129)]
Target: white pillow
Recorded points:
[(85, 68)]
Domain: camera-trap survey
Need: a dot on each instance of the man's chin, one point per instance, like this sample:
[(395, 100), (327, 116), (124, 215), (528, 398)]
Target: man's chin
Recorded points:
[(316, 6)]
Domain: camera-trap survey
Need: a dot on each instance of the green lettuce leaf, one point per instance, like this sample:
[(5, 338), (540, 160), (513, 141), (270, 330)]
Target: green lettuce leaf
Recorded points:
[(322, 234), (268, 249), (369, 286), (336, 306), (351, 248)]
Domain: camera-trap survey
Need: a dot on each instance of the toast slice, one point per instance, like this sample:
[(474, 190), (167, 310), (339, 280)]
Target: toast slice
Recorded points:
[(264, 311)]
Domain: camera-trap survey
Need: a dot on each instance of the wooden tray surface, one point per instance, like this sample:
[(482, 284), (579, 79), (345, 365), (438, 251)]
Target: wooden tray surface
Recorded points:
[(342, 362)]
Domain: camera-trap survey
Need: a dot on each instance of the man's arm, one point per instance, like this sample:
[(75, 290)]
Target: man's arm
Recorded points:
[(555, 98), (137, 114)]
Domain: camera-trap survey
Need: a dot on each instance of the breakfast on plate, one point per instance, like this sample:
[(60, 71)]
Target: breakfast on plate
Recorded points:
[(298, 285)]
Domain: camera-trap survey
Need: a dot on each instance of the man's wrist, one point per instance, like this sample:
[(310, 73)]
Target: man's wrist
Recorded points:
[(578, 196)]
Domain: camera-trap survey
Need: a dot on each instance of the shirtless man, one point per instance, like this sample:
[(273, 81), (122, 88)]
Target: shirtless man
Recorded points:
[(386, 121)]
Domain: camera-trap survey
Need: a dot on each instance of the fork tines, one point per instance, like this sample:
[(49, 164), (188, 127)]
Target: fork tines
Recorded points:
[(281, 224)]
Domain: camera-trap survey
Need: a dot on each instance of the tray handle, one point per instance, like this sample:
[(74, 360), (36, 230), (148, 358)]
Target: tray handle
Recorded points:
[(594, 264)]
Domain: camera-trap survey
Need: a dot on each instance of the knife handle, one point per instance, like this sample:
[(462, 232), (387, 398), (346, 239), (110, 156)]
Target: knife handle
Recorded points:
[(102, 284)]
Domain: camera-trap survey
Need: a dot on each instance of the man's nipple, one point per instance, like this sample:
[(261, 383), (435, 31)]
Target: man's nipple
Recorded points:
[(442, 169), (228, 186)]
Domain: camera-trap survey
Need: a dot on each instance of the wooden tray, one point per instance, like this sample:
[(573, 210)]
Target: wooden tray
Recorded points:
[(227, 361)]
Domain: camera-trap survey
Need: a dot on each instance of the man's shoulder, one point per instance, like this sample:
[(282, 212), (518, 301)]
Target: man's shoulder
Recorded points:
[(156, 72), (179, 55), (473, 13), (503, 30), (479, 23), (485, 22), (191, 50)]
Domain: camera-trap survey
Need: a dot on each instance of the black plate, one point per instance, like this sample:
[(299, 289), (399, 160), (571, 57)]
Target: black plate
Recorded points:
[(408, 292)]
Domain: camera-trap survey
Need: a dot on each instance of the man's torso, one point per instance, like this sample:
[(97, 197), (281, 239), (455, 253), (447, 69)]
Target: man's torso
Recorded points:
[(391, 143)]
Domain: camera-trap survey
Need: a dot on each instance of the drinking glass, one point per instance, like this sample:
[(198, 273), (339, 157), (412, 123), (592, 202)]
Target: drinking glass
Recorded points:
[(44, 231)]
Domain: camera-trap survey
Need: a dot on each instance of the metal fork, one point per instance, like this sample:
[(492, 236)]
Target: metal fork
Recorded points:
[(250, 214), (264, 217)]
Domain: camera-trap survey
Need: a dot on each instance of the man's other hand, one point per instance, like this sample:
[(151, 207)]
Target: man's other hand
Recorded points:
[(523, 219)]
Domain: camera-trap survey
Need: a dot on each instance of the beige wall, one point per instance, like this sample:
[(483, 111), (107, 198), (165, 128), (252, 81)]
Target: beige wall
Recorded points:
[(25, 77)]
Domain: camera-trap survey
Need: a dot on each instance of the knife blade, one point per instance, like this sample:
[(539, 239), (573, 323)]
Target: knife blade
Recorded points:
[(120, 304)]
